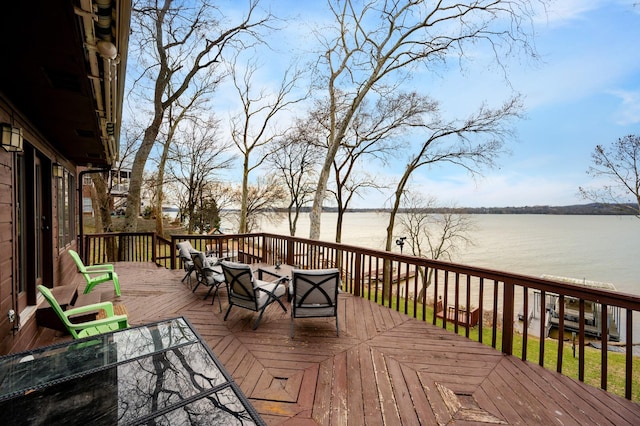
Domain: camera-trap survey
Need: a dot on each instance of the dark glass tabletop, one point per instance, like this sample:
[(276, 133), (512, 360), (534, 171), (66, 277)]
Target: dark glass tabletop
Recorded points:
[(161, 374)]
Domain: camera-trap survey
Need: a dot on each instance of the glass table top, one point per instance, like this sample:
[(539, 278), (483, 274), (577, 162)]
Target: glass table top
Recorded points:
[(159, 373)]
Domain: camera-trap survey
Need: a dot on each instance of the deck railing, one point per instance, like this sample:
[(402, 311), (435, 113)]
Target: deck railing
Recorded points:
[(506, 304)]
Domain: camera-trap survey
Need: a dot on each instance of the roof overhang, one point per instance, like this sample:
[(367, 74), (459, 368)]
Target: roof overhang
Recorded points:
[(63, 67)]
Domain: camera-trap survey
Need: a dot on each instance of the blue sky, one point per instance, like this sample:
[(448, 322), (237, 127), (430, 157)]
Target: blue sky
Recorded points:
[(584, 91)]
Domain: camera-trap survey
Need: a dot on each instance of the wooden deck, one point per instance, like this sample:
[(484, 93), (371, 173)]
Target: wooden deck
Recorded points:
[(385, 368)]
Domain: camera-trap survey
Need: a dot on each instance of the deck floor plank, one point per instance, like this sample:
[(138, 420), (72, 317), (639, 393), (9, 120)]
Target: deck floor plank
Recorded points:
[(388, 405), (370, 400), (385, 368), (322, 404), (355, 402)]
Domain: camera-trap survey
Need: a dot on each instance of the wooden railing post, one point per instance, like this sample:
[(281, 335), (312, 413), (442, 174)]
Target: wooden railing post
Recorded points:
[(290, 252), (507, 317), (153, 247), (357, 276), (173, 252)]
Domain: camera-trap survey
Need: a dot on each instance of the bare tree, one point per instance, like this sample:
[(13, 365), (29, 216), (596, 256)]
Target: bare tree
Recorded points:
[(253, 129), (224, 196), (295, 161), (374, 47), (196, 156), (619, 164), (433, 232), (177, 41), (372, 137), (470, 144), (265, 197), (193, 105)]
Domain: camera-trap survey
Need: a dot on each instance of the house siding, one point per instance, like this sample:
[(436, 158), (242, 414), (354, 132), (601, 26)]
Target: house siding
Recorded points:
[(7, 239), (58, 266)]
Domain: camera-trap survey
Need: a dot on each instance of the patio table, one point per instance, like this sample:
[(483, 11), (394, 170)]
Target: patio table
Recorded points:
[(283, 270), (160, 373)]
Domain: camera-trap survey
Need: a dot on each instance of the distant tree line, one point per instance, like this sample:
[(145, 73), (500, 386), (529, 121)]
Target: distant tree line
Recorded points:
[(577, 209)]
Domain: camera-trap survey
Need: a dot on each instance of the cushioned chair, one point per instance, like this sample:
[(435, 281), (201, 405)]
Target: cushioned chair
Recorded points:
[(314, 293), (247, 292), (96, 274), (89, 328), (184, 253), (208, 274)]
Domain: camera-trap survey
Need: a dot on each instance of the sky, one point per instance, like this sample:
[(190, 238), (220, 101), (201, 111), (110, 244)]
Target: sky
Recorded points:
[(583, 91)]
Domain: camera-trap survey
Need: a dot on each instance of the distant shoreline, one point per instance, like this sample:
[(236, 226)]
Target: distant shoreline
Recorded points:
[(577, 209)]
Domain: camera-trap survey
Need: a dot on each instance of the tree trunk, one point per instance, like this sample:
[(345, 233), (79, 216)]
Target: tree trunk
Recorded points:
[(294, 213), (137, 170), (339, 224), (160, 186), (158, 213), (103, 216), (242, 229), (318, 199), (390, 228)]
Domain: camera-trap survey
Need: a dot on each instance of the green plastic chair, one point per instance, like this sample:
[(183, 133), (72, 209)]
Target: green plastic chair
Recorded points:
[(89, 272), (89, 328)]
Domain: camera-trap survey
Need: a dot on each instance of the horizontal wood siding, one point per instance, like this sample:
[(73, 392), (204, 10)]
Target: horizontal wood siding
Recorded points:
[(6, 246)]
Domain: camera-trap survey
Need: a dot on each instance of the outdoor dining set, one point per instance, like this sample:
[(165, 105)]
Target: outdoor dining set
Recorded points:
[(312, 293)]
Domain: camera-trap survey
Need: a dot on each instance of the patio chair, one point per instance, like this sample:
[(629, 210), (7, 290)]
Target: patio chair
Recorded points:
[(208, 274), (184, 253), (314, 293), (112, 322), (105, 273), (247, 292)]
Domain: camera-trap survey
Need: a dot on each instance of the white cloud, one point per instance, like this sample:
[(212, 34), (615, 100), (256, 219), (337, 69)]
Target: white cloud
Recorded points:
[(563, 12), (629, 112)]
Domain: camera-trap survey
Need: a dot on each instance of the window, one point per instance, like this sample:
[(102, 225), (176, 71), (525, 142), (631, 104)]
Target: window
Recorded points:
[(87, 205), (66, 203)]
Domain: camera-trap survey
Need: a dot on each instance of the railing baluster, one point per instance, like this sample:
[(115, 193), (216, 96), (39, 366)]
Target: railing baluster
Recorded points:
[(468, 314), (581, 340), (525, 323), (456, 303), (436, 296), (543, 326), (560, 334), (494, 332), (628, 383), (604, 327), (445, 303), (481, 309)]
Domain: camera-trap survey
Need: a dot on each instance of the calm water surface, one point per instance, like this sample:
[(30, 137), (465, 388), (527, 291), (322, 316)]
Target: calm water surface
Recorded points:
[(598, 248)]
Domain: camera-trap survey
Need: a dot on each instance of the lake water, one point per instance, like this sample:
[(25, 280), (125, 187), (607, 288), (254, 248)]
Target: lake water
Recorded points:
[(597, 248)]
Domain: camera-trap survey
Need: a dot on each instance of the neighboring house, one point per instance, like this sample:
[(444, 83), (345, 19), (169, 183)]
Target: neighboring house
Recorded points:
[(119, 189), (61, 87)]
